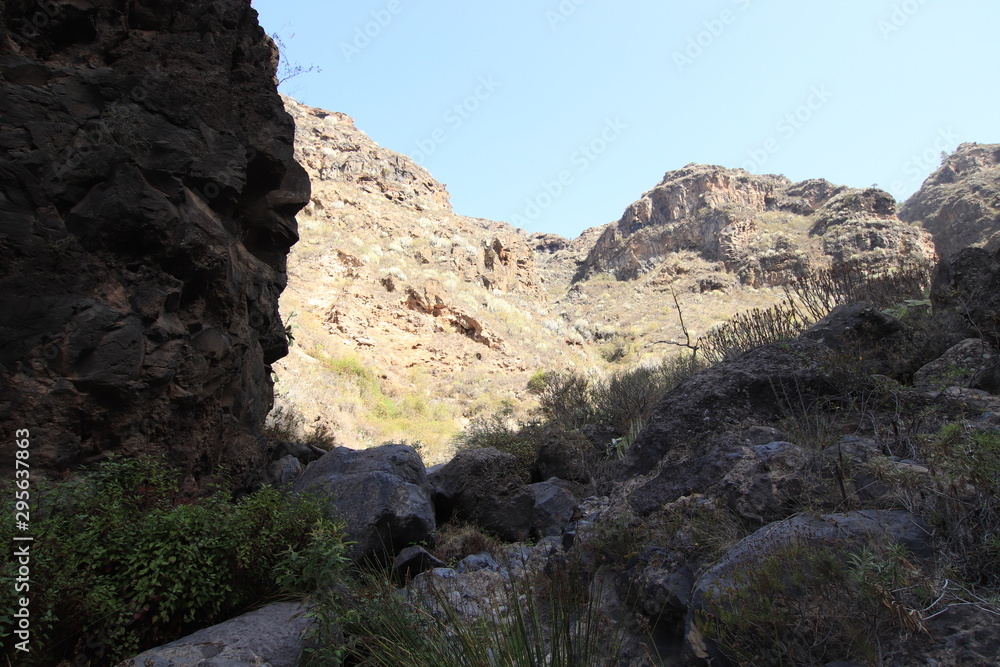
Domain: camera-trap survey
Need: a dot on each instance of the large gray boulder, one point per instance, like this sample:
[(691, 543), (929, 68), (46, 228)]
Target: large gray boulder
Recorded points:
[(269, 637), (971, 363), (484, 486), (777, 560), (383, 494), (554, 507)]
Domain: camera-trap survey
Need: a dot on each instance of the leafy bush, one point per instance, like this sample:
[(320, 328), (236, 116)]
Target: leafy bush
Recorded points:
[(964, 499), (502, 432), (122, 562), (807, 604), (627, 397), (565, 399)]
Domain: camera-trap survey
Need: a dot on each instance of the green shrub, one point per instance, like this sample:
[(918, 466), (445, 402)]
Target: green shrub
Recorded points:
[(565, 399), (964, 499), (502, 432), (627, 397), (122, 562), (807, 604)]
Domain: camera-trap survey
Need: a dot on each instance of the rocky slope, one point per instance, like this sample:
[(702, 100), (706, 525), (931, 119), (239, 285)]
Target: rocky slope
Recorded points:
[(407, 317), (423, 304), (147, 206), (960, 202)]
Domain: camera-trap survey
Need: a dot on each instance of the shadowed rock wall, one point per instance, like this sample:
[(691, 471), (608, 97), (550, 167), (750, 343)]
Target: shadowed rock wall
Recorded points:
[(147, 202)]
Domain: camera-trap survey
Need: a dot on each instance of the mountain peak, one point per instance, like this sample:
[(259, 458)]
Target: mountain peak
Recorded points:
[(332, 148)]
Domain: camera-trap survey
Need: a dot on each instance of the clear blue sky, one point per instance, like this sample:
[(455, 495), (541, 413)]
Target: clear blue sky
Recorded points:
[(556, 114)]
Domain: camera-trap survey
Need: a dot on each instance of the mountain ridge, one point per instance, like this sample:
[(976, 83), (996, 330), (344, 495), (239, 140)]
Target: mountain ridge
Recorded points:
[(389, 280)]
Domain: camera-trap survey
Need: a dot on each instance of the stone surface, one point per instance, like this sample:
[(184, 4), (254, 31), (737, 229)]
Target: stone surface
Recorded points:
[(971, 363), (770, 481), (966, 295), (484, 486), (146, 210), (734, 394), (721, 215), (960, 202), (843, 533), (554, 508), (413, 560), (382, 493), (269, 637)]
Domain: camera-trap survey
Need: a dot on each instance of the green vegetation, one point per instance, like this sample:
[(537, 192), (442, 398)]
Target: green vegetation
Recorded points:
[(568, 400), (806, 604), (531, 620), (123, 561)]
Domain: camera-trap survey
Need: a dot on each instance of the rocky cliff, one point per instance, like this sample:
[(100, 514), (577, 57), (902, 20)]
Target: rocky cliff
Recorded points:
[(960, 202), (147, 204), (764, 229), (407, 317)]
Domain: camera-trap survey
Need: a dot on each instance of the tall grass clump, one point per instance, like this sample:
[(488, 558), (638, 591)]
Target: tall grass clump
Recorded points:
[(530, 620)]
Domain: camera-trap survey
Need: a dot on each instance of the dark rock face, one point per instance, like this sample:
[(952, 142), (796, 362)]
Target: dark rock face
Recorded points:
[(382, 493), (484, 486), (960, 202), (554, 507), (726, 395), (966, 294), (971, 363), (147, 203)]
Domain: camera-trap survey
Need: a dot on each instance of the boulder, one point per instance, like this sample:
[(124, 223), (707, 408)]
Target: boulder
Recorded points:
[(972, 363), (565, 457), (269, 637), (382, 493), (855, 326), (770, 481), (483, 561), (285, 470), (699, 430), (554, 508), (484, 486), (411, 561), (747, 566), (966, 295)]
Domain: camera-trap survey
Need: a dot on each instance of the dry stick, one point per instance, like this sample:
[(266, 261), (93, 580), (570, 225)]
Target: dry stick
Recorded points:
[(687, 334)]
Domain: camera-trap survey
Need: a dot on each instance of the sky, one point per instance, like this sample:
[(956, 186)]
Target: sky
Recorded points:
[(555, 115)]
